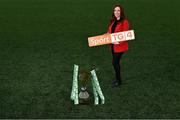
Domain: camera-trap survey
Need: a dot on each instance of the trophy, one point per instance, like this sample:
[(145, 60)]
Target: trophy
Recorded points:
[(83, 94), (84, 77)]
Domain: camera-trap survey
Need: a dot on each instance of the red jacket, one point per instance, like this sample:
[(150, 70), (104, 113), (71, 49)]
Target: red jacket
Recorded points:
[(121, 26)]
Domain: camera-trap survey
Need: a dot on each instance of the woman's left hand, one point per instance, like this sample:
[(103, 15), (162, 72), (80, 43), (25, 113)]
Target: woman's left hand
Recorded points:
[(115, 43)]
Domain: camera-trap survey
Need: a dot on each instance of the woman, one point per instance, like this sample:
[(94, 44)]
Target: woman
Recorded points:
[(118, 23)]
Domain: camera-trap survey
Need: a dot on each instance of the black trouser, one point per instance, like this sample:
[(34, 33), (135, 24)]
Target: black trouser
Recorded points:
[(116, 65)]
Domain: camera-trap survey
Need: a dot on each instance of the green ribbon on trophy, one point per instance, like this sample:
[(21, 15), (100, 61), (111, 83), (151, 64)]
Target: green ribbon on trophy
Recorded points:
[(95, 84), (97, 89), (74, 92)]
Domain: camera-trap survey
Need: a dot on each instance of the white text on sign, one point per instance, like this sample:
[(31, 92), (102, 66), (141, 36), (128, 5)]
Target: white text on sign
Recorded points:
[(111, 38)]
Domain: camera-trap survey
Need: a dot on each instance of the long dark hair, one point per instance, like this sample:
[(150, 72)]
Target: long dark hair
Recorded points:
[(122, 15)]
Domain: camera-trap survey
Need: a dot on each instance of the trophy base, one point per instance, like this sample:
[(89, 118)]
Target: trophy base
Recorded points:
[(84, 101)]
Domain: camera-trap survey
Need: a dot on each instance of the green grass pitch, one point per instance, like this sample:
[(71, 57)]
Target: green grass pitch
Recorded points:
[(40, 40)]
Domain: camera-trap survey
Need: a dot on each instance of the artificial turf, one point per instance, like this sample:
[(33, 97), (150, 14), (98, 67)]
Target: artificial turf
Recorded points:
[(41, 40)]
